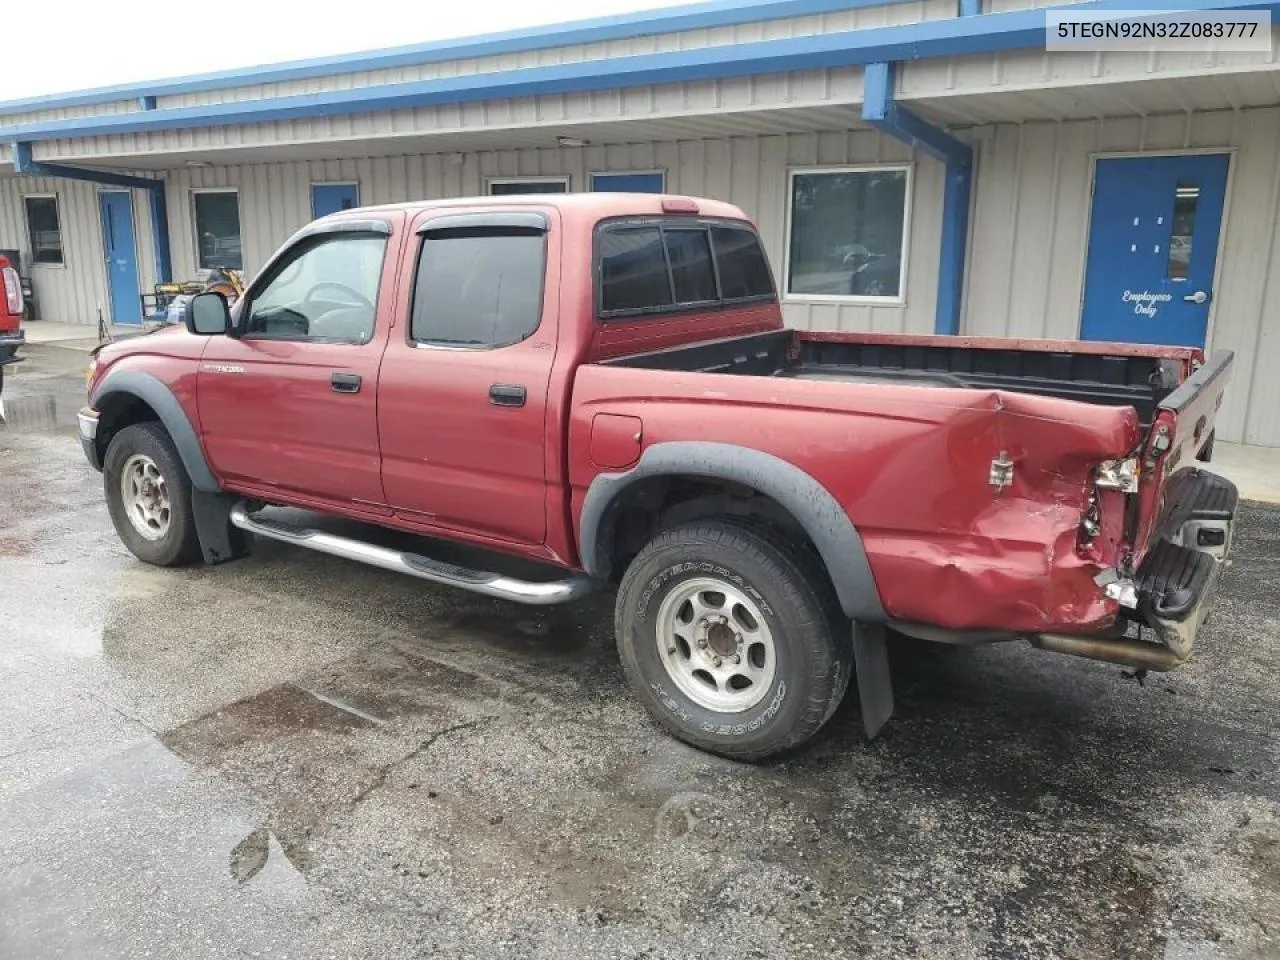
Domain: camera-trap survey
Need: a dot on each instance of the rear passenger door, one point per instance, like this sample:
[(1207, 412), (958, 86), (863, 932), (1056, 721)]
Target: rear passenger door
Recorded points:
[(462, 396)]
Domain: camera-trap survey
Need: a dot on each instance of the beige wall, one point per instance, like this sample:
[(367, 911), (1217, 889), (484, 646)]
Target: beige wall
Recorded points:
[(748, 171), (74, 291), (1030, 235)]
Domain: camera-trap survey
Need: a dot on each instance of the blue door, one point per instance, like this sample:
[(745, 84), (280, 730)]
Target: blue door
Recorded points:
[(628, 182), (327, 198), (1153, 244), (122, 256)]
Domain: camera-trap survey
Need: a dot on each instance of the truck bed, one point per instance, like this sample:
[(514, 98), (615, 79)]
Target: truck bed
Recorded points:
[(1138, 376)]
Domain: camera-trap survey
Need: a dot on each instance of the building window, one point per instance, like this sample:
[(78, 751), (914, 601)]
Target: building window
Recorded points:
[(44, 230), (510, 187), (651, 181), (847, 233), (661, 266), (217, 219), (478, 287)]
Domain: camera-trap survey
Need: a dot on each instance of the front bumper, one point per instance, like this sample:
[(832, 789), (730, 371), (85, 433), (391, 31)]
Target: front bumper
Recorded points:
[(87, 424), (1176, 582)]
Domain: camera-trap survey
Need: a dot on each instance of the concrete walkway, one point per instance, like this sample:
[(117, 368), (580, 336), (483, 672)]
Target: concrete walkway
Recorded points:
[(81, 336), (1255, 470)]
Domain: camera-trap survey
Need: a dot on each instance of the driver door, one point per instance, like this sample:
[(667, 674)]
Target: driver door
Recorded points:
[(289, 405)]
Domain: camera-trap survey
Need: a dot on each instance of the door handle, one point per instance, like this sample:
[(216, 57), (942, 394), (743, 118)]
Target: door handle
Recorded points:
[(345, 382), (507, 395), (1198, 297)]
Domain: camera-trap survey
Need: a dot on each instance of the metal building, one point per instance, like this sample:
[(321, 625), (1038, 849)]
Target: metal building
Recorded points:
[(913, 166)]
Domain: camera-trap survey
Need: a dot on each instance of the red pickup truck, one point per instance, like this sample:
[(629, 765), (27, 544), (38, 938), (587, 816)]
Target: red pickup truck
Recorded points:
[(601, 387), (11, 336)]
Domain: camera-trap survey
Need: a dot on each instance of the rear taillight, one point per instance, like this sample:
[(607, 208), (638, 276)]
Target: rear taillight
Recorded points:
[(12, 287)]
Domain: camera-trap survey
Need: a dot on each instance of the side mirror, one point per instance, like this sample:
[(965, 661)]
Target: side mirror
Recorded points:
[(207, 315)]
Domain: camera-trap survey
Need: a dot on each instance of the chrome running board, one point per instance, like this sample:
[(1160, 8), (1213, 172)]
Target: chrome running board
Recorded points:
[(536, 593)]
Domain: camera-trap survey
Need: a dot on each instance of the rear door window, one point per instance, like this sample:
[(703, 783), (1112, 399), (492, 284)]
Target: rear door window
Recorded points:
[(478, 287)]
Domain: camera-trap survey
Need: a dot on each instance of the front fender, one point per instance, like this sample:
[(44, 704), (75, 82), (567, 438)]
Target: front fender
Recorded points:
[(160, 398), (810, 503)]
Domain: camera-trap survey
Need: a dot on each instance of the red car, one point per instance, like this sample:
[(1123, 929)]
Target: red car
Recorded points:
[(602, 386), (11, 335)]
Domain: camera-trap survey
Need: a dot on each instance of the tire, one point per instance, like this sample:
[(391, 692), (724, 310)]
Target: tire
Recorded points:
[(789, 678), (155, 521)]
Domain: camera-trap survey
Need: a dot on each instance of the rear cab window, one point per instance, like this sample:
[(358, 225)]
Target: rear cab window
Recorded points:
[(657, 266)]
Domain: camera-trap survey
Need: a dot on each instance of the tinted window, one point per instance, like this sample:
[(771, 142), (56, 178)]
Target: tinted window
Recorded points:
[(633, 270), (217, 219), (512, 188), (44, 230), (744, 271), (323, 290), (478, 289), (691, 271)]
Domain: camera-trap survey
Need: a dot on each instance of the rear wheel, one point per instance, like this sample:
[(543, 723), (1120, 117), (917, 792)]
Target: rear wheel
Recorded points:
[(730, 636), (149, 496)]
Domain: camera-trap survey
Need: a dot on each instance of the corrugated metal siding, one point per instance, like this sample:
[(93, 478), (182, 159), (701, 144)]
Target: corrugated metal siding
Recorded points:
[(1041, 69), (709, 100), (1030, 236), (53, 115), (748, 171), (879, 16), (73, 292)]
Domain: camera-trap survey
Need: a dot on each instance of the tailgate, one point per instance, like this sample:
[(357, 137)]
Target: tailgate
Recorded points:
[(1182, 425)]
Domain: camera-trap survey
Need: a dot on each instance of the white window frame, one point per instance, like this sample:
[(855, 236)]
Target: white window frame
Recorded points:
[(489, 183), (195, 224), (26, 223), (900, 300), (591, 177)]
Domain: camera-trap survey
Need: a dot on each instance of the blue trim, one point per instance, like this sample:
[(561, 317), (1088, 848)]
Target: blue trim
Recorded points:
[(969, 8), (700, 16), (880, 111), (160, 235), (956, 36), (146, 103), (23, 164)]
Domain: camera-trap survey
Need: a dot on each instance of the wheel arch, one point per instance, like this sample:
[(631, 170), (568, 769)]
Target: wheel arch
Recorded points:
[(804, 499), (125, 397)]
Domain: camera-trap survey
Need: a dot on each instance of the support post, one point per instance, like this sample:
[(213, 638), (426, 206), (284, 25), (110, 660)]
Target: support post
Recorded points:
[(880, 110)]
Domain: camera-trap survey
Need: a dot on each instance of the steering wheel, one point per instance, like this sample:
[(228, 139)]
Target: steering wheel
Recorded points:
[(360, 299)]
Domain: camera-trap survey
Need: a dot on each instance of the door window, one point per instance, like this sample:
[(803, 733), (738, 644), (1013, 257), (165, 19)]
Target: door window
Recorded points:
[(324, 289), (1186, 199), (478, 287)]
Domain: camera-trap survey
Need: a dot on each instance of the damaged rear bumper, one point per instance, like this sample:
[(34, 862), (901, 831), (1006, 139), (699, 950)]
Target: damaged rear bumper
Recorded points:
[(1174, 587)]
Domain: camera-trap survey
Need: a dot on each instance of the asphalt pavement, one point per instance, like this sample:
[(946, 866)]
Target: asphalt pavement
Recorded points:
[(293, 756)]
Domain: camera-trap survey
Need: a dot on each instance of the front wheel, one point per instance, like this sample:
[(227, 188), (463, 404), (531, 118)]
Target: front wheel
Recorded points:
[(149, 496), (731, 637)]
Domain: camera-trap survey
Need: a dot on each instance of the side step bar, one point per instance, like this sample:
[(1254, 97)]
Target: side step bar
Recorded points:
[(535, 593)]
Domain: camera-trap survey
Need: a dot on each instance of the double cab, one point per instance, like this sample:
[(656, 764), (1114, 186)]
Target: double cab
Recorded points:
[(597, 392)]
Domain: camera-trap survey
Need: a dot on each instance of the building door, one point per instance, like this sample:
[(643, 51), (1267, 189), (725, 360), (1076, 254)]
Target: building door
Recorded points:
[(1153, 246), (327, 198), (121, 256)]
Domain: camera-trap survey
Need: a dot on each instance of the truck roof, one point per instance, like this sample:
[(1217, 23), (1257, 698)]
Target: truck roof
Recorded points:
[(594, 205)]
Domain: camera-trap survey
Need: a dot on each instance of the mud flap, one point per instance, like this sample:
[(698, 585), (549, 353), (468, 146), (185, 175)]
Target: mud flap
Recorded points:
[(875, 687), (219, 540)]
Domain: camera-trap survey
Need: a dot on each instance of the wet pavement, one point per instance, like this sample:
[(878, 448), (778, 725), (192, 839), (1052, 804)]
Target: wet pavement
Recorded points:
[(295, 756)]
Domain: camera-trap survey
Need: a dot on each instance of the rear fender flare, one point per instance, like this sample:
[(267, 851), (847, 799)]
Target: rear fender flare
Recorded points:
[(809, 502), (160, 398)]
